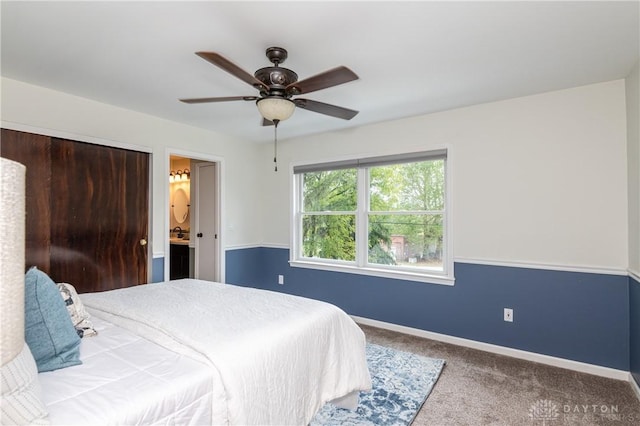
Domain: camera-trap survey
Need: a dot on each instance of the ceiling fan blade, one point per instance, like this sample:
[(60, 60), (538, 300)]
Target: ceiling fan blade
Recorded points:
[(327, 109), (222, 62), (330, 78), (221, 99)]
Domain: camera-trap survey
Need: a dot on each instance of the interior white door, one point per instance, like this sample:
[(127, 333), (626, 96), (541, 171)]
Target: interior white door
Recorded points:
[(206, 262)]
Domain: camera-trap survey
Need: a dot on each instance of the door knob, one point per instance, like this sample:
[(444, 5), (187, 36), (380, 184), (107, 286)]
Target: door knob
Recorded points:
[(143, 242), (199, 235)]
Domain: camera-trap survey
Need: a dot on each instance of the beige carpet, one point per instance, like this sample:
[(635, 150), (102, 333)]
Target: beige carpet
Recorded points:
[(481, 388)]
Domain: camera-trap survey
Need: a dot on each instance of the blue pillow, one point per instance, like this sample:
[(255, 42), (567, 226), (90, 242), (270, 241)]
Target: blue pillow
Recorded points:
[(49, 331)]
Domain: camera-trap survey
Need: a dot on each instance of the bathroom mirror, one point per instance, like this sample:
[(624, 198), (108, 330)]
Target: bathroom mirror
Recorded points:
[(180, 205)]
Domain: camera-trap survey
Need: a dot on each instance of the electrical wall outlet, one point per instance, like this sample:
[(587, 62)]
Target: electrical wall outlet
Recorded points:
[(281, 279), (508, 314)]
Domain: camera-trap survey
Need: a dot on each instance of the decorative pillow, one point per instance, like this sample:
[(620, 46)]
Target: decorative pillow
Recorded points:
[(49, 331), (79, 316), (21, 403)]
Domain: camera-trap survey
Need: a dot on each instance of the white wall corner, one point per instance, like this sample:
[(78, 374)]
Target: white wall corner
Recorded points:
[(634, 386)]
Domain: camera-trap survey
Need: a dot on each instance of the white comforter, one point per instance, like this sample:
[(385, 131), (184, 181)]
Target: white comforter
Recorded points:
[(279, 358), (126, 380)]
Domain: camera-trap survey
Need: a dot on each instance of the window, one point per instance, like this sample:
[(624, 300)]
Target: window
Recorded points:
[(384, 216)]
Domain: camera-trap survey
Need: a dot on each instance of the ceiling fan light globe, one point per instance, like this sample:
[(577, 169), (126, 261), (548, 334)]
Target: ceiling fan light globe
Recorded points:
[(274, 108)]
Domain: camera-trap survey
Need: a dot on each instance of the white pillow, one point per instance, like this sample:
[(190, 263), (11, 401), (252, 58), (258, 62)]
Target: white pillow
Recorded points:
[(21, 403), (79, 316)]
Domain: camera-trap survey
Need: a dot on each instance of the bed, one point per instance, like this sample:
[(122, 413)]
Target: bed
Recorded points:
[(177, 352), (237, 356)]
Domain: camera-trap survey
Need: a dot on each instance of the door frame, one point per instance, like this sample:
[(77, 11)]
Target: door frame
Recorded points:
[(218, 192)]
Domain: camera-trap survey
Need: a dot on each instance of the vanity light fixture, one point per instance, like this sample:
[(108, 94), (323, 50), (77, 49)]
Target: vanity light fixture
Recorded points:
[(179, 176)]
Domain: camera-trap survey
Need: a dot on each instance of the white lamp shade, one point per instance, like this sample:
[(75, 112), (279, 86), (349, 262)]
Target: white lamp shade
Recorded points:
[(274, 108)]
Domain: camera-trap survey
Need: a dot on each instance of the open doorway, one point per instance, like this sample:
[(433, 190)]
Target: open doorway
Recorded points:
[(193, 249)]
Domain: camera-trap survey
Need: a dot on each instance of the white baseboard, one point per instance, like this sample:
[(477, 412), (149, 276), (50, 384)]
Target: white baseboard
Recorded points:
[(582, 367)]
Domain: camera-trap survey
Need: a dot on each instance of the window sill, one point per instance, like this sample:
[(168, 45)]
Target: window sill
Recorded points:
[(398, 275)]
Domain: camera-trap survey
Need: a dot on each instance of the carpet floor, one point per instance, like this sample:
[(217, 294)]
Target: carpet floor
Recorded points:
[(482, 388)]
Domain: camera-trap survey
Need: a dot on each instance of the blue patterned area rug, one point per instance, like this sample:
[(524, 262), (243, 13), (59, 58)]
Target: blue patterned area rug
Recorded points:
[(401, 381)]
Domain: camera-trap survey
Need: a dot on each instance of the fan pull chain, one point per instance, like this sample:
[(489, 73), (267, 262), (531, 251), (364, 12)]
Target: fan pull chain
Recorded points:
[(275, 144)]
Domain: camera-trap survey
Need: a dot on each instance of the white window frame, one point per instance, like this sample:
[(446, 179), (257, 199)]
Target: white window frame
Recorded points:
[(361, 265)]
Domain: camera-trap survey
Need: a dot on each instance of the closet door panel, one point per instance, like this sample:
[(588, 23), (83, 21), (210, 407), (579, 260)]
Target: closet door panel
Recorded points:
[(34, 152), (99, 216)]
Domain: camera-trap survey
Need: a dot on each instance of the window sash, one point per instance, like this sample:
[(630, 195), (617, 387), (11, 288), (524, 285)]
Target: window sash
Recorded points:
[(362, 213)]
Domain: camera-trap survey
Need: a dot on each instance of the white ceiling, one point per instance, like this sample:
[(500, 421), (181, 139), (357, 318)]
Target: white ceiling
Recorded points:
[(412, 57)]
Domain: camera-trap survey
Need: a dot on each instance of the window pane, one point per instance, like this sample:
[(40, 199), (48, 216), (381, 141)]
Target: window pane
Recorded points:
[(333, 190), (406, 187), (329, 236), (406, 240)]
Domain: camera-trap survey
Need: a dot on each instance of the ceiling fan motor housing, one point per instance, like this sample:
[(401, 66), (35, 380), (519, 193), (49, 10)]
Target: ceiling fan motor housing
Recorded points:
[(277, 78)]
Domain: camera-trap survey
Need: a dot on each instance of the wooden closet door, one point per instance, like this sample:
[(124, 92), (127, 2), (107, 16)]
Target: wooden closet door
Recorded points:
[(87, 209), (34, 152), (99, 216)]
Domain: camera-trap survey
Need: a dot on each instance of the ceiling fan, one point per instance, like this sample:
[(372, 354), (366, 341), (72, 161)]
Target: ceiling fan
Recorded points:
[(277, 86)]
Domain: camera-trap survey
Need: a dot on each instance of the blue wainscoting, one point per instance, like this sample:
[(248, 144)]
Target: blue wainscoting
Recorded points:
[(157, 270), (572, 315), (634, 328), (247, 267)]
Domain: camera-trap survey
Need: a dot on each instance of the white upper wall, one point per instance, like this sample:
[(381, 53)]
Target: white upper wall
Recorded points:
[(32, 108), (540, 179), (633, 159)]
